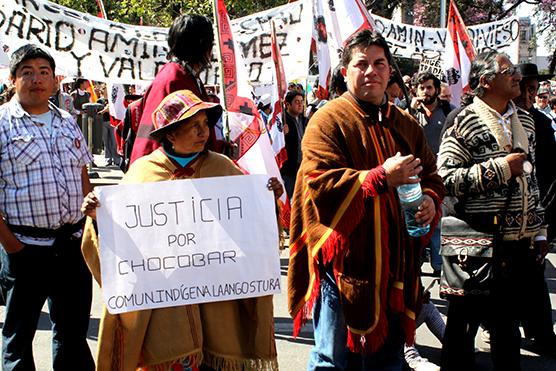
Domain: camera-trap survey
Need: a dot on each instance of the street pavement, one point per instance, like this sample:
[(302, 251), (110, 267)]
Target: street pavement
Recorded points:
[(293, 354)]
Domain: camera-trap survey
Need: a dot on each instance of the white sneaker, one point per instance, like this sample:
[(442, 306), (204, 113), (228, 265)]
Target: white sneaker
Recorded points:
[(485, 335), (423, 365)]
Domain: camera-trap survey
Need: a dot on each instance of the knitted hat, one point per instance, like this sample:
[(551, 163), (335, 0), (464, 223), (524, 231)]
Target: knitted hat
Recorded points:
[(179, 106)]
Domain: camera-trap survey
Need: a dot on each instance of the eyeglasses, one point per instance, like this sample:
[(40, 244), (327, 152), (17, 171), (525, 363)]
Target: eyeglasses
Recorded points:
[(543, 97), (509, 71)]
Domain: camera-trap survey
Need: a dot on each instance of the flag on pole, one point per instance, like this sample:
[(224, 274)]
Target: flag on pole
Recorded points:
[(320, 39), (116, 95), (458, 55), (244, 126), (344, 18), (279, 87), (101, 9)]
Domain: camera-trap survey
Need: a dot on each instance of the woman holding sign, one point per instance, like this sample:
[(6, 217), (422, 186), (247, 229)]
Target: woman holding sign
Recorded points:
[(227, 335)]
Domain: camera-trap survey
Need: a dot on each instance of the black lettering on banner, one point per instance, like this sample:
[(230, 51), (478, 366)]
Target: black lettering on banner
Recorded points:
[(126, 64), (79, 59), (292, 18), (265, 46), (36, 27), (2, 18), (24, 3), (60, 26), (52, 8), (17, 24), (251, 44), (131, 43), (101, 39), (245, 27), (255, 71), (48, 40)]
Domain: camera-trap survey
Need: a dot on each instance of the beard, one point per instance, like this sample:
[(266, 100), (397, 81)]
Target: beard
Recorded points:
[(430, 100)]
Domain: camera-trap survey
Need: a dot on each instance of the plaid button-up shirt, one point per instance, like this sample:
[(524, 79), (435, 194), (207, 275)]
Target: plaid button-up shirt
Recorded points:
[(40, 168)]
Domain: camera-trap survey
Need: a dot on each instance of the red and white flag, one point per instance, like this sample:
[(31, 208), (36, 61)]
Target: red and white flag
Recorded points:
[(458, 55), (279, 87), (244, 127), (343, 19), (320, 42)]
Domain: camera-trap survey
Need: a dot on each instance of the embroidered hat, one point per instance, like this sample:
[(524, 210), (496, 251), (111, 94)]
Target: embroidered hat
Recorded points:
[(179, 106)]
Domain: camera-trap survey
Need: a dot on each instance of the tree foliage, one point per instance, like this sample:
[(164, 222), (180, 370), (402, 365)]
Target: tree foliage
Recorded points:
[(162, 13)]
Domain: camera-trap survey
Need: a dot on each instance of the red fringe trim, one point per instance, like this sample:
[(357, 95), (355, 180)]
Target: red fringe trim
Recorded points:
[(408, 327), (335, 243), (305, 313)]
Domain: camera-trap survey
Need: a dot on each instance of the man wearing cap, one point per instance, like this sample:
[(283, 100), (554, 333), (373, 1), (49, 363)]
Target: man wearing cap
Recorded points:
[(541, 100), (43, 178), (537, 311), (264, 108)]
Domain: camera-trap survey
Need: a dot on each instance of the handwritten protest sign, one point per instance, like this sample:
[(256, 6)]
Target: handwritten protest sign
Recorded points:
[(183, 242)]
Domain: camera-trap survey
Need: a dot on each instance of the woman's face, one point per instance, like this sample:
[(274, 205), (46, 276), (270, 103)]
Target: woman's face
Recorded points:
[(190, 136)]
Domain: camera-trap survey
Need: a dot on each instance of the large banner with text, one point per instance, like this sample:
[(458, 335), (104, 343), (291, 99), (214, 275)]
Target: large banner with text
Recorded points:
[(185, 242), (102, 50)]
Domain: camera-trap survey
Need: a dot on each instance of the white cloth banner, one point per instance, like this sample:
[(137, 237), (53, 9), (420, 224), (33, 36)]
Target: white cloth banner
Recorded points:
[(184, 242), (293, 32), (101, 50), (83, 45), (429, 43)]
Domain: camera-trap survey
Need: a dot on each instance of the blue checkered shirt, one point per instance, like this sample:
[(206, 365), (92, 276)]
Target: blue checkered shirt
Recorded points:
[(40, 168)]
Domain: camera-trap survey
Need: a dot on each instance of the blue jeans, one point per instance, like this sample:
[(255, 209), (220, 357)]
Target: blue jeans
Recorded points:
[(434, 248), (330, 332), (30, 277)]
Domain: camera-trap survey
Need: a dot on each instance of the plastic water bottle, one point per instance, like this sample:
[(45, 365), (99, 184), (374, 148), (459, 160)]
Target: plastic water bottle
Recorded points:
[(411, 198)]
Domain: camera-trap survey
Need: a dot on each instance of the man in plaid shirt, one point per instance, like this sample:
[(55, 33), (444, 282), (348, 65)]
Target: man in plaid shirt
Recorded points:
[(43, 178)]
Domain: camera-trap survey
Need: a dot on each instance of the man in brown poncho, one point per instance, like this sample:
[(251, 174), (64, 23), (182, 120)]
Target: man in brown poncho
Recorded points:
[(351, 259)]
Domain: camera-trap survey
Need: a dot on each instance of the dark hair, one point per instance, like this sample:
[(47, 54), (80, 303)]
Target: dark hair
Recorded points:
[(337, 82), (190, 39), (291, 94), (484, 65), (78, 82), (27, 52), (395, 79), (364, 39), (426, 76)]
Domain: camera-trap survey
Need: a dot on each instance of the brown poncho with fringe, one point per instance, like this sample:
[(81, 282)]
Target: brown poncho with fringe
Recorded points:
[(230, 335), (344, 214)]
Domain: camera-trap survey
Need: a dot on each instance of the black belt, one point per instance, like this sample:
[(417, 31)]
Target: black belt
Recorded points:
[(66, 229)]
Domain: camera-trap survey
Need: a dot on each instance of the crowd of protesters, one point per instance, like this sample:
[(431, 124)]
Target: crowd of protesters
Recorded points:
[(353, 269)]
